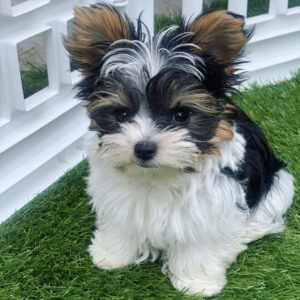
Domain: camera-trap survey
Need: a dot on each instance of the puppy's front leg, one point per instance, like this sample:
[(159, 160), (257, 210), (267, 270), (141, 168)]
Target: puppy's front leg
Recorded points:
[(199, 269), (112, 248)]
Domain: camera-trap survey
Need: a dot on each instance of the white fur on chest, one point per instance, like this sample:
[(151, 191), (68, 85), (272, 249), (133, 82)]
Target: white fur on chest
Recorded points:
[(169, 209), (199, 222)]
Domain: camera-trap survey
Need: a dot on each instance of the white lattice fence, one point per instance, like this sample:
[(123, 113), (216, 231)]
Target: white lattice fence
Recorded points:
[(37, 131), (274, 51), (43, 135)]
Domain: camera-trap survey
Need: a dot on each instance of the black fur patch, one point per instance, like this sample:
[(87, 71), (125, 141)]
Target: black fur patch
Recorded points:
[(260, 164)]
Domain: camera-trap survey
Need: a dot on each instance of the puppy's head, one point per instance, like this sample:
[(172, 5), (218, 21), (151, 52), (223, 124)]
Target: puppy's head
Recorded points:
[(163, 102)]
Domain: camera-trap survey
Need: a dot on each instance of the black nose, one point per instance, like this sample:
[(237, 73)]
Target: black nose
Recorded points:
[(145, 150)]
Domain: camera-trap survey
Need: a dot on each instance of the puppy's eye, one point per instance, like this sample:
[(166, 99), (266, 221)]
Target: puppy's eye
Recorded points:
[(181, 116), (122, 115)]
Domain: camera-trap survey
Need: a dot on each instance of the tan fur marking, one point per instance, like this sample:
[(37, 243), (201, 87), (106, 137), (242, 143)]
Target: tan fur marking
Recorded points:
[(93, 126), (104, 20), (213, 150), (94, 25), (219, 34), (202, 101), (224, 132), (229, 110), (230, 106), (108, 100)]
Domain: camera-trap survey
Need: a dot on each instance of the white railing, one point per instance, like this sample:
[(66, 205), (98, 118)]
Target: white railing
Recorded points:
[(274, 51), (43, 135), (40, 136)]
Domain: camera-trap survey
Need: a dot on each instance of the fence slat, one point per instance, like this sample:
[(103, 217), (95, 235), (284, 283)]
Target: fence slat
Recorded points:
[(278, 7), (5, 7), (136, 7), (45, 117), (238, 6), (4, 101), (191, 8)]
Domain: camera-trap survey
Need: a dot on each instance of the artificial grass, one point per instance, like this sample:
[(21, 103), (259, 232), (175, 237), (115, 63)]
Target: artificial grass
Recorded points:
[(43, 253), (293, 3), (257, 7), (162, 21), (34, 79)]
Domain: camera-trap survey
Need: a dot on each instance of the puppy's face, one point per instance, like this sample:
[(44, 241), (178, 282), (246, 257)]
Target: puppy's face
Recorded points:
[(161, 103)]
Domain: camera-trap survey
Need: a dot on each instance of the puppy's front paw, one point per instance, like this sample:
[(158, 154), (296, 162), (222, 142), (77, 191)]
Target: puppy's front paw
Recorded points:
[(101, 258), (202, 285), (107, 257)]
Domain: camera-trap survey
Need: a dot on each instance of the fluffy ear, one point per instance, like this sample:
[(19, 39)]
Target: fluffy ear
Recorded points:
[(96, 28), (221, 34)]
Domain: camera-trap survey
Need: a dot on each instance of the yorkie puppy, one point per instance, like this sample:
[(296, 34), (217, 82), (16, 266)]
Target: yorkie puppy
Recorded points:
[(178, 171)]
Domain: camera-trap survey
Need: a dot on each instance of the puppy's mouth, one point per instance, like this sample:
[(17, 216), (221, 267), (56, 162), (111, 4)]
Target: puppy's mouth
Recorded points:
[(146, 164), (153, 165)]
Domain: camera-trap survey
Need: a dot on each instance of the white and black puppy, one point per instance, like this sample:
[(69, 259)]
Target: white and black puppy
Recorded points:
[(178, 171)]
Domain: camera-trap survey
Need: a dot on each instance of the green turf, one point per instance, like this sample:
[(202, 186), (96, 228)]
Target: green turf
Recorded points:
[(34, 79), (214, 4), (43, 253), (257, 7), (293, 3)]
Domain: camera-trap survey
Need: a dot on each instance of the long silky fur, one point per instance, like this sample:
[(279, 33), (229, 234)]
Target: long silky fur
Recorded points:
[(213, 184)]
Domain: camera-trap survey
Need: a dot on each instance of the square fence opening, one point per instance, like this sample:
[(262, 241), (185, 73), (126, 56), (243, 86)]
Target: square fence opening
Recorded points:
[(166, 13), (167, 7), (214, 4), (257, 7), (293, 3), (16, 2), (33, 64), (17, 8)]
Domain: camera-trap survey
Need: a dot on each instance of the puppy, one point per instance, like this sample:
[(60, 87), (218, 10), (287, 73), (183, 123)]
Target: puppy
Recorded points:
[(178, 171)]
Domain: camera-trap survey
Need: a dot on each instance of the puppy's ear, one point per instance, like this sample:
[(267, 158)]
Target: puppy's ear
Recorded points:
[(96, 28), (221, 34)]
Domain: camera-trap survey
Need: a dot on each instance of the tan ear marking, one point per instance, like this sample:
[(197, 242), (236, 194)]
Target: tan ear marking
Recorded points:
[(103, 19), (220, 34), (95, 24)]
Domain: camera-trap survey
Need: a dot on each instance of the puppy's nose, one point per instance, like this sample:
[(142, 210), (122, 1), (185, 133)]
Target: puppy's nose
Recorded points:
[(145, 150)]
